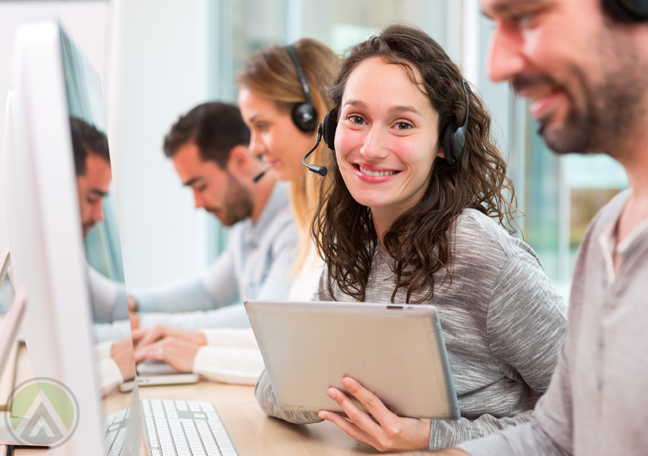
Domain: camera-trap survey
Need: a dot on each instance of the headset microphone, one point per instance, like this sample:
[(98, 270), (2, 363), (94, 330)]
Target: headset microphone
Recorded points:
[(317, 169), (258, 177)]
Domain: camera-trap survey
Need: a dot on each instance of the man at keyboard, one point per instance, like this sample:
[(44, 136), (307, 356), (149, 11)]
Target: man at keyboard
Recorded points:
[(208, 148)]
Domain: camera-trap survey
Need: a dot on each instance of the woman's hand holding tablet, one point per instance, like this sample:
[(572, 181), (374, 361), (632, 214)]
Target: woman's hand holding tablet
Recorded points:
[(388, 432)]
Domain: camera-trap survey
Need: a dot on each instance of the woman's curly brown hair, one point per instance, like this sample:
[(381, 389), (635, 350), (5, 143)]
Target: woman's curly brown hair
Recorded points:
[(419, 240)]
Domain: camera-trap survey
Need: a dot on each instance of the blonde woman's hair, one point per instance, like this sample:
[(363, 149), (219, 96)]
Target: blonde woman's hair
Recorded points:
[(271, 72)]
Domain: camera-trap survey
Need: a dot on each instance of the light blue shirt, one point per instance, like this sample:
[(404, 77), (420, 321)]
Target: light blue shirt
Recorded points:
[(255, 265)]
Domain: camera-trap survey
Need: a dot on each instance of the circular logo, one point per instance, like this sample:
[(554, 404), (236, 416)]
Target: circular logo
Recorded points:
[(42, 411)]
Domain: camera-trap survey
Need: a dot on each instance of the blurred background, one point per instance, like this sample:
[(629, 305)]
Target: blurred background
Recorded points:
[(159, 59)]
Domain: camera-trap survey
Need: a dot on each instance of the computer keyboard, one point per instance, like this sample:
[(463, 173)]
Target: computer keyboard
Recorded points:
[(172, 428), (184, 428), (115, 427)]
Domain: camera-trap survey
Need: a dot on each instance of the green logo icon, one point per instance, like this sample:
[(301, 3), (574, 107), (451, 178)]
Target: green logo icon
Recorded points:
[(43, 411)]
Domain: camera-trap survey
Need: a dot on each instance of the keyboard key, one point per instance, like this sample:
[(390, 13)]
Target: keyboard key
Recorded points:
[(194, 406), (207, 407), (182, 406)]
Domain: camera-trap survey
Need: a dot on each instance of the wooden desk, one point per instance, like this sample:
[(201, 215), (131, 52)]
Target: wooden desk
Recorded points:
[(252, 432)]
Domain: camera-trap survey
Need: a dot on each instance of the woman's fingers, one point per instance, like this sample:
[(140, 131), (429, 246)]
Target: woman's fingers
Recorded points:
[(150, 335), (360, 418), (348, 427), (391, 432), (369, 401), (137, 334), (179, 354)]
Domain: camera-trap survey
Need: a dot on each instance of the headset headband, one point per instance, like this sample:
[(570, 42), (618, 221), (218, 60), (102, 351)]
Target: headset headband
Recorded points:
[(300, 72)]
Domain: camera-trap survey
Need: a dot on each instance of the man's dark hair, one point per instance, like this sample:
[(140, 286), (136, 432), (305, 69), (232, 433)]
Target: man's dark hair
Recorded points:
[(215, 127), (86, 139)]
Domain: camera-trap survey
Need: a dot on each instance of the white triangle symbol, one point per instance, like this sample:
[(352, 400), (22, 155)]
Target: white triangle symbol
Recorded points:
[(41, 424)]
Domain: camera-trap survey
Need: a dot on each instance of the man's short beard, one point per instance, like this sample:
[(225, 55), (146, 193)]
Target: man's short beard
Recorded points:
[(611, 107), (238, 203), (608, 117)]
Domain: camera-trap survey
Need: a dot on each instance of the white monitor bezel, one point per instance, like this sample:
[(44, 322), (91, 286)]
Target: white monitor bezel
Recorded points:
[(45, 230)]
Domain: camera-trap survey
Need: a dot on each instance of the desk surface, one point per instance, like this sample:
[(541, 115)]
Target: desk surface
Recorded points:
[(252, 432)]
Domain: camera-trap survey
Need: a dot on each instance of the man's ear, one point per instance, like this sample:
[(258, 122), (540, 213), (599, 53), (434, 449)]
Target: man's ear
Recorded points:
[(239, 161)]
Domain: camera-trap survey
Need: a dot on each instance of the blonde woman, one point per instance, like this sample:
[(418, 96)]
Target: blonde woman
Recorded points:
[(282, 98)]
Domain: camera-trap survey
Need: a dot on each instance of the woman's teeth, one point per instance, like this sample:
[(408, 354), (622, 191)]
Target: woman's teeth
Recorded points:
[(375, 173)]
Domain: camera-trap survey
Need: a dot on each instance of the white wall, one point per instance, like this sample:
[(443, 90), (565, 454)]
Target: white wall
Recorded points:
[(85, 23), (158, 70), (154, 57)]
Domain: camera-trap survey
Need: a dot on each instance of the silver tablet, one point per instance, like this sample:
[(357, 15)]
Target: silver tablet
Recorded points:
[(395, 351)]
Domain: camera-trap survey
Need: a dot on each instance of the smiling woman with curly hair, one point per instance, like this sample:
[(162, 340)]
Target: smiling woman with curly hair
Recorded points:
[(404, 218)]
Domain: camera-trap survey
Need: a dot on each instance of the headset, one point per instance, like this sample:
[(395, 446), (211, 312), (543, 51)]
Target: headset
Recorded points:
[(633, 11), (454, 139), (304, 115)]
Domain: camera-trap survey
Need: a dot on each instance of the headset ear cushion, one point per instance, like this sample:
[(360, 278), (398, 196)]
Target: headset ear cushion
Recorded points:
[(328, 129), (304, 117), (633, 11), (448, 146)]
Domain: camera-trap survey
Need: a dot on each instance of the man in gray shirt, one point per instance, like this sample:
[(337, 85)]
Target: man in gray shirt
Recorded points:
[(584, 63), (208, 147)]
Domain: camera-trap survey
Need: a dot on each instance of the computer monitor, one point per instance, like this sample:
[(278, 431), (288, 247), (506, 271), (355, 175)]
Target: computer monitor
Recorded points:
[(53, 86)]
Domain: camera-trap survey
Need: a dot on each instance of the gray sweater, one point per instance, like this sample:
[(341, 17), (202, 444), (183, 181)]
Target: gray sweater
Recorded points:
[(597, 403), (503, 323)]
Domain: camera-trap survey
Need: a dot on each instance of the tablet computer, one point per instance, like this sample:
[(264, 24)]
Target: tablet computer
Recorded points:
[(395, 351)]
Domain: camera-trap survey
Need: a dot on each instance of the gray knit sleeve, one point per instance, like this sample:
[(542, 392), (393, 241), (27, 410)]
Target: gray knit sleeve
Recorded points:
[(527, 323), (526, 328), (268, 402), (549, 433)]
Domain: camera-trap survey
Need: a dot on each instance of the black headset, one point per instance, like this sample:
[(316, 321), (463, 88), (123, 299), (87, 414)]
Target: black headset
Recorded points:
[(628, 10), (304, 114), (454, 139)]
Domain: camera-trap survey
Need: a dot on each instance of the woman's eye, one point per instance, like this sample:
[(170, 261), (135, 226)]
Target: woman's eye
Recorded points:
[(356, 120), (403, 125)]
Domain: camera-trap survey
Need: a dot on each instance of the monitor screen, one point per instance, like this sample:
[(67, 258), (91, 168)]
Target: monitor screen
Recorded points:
[(66, 255), (99, 227)]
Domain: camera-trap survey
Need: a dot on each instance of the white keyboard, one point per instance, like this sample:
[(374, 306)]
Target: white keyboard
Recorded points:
[(115, 427), (184, 428)]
